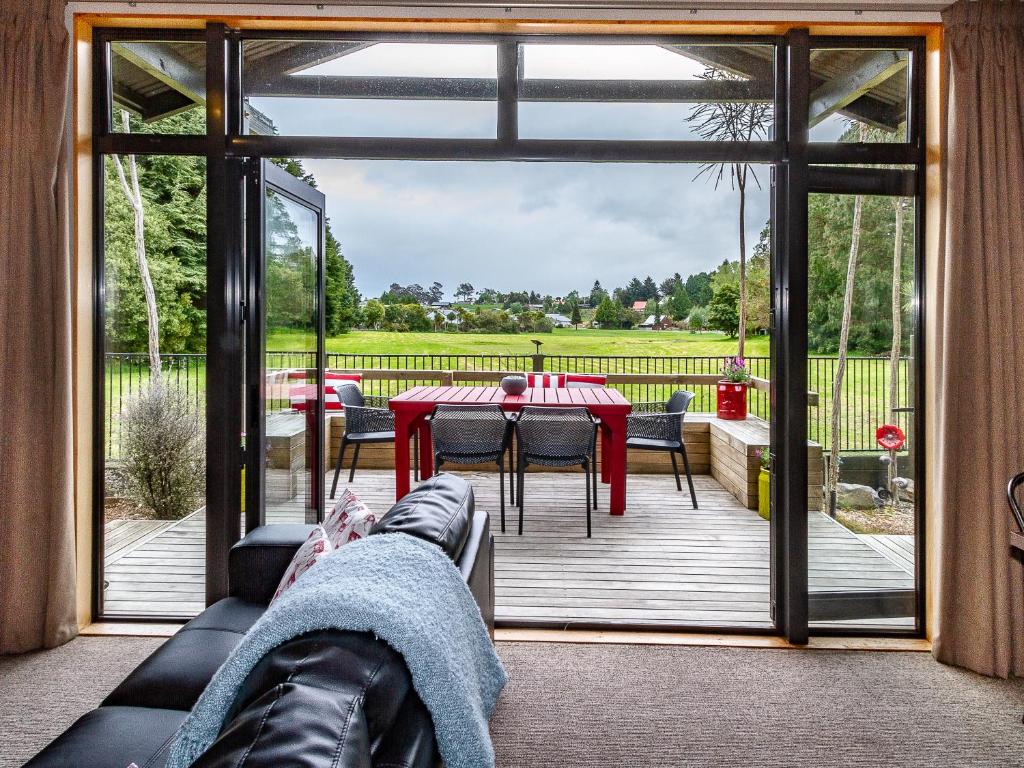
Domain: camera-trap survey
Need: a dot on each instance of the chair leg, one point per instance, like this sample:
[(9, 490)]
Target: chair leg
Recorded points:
[(593, 479), (501, 490), (586, 481), (689, 477), (355, 460), (522, 473), (675, 470), (337, 466), (511, 476)]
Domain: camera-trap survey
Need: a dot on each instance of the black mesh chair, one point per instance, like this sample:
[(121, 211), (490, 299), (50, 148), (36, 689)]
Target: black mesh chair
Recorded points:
[(474, 434), (1011, 496), (556, 437), (363, 425), (664, 432)]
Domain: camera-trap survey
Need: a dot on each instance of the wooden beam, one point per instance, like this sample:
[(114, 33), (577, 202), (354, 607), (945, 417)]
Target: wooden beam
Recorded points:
[(871, 69), (167, 65), (299, 56), (486, 89)]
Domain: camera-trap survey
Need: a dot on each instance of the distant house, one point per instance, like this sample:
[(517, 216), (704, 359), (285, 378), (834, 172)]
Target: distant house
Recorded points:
[(559, 321), (656, 325), (448, 318), (639, 306)]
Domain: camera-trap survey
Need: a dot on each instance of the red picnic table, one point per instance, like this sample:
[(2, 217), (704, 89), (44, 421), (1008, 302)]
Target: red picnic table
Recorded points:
[(413, 406)]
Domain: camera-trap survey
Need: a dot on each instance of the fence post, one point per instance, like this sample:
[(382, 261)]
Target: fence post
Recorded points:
[(538, 362)]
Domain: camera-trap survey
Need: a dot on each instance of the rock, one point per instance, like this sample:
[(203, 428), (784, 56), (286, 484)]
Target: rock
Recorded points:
[(853, 496), (906, 488)]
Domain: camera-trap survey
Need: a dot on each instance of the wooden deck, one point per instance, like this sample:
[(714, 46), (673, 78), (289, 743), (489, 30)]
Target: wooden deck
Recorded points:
[(662, 563)]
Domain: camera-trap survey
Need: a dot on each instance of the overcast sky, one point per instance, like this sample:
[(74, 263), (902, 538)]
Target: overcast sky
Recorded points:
[(549, 227)]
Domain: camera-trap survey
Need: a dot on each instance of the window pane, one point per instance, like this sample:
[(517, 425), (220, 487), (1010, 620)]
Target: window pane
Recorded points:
[(653, 92), (859, 95), (154, 450), (364, 89), (160, 86), (861, 528), (290, 256)]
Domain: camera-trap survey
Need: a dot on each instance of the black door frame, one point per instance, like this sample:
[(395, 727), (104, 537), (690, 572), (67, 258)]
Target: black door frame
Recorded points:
[(228, 151)]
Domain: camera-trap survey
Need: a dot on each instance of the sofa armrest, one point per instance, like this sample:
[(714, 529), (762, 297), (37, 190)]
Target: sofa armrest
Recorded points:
[(476, 563), (257, 562)]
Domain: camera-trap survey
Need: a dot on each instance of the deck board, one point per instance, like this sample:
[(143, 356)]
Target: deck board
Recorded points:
[(662, 563)]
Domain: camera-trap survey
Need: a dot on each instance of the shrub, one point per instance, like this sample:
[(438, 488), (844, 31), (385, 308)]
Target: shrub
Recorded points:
[(163, 452)]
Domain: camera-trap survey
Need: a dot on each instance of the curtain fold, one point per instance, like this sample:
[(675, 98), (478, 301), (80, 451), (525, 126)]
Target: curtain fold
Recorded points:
[(980, 596), (37, 522)]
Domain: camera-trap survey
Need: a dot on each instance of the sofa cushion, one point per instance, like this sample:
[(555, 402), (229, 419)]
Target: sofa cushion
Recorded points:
[(438, 511), (349, 520), (314, 549), (113, 737), (177, 672), (257, 562)]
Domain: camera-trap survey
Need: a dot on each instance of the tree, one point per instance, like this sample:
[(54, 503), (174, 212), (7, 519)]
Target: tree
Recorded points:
[(723, 311), (373, 313), (669, 285), (597, 294), (899, 206), (576, 317), (465, 291), (698, 287), (650, 290), (679, 304), (735, 121), (698, 319), (844, 336), (437, 292), (134, 195), (609, 314), (634, 291)]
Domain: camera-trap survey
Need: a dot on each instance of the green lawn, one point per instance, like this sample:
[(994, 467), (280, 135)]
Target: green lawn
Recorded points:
[(563, 341)]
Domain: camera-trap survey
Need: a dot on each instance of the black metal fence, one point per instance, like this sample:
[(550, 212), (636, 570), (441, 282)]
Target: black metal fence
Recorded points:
[(865, 396)]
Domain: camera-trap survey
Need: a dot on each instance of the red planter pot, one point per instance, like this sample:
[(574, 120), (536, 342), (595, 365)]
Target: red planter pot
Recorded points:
[(732, 401)]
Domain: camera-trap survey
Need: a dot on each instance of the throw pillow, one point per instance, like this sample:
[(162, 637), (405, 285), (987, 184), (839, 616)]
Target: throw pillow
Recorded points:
[(314, 549), (349, 520), (545, 380)]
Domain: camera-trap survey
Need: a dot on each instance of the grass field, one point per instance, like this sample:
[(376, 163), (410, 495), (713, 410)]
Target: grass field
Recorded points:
[(562, 341)]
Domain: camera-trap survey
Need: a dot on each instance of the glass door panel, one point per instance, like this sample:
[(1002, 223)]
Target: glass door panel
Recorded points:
[(862, 537), (285, 443)]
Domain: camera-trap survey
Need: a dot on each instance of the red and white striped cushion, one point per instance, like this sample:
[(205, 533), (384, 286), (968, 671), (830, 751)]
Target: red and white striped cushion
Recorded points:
[(300, 393), (586, 378), (545, 380)]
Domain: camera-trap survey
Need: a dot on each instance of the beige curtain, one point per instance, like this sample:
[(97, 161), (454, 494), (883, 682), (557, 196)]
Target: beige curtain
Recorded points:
[(37, 535), (980, 608)]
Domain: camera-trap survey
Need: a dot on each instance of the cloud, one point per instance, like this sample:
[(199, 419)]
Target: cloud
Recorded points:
[(550, 227)]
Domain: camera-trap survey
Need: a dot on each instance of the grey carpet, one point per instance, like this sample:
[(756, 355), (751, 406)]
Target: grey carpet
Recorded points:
[(609, 705)]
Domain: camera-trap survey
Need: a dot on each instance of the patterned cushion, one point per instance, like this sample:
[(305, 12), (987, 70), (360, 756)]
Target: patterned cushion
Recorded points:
[(586, 378), (545, 380), (349, 520), (316, 547)]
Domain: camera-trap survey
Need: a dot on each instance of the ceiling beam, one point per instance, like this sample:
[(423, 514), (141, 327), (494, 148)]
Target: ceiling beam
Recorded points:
[(538, 90), (296, 58), (167, 65), (871, 69)]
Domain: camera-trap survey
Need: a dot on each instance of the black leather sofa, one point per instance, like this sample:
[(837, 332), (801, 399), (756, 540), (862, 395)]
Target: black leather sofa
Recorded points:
[(328, 698)]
